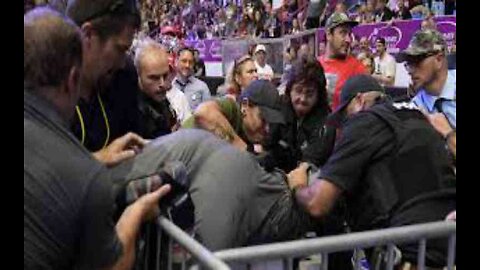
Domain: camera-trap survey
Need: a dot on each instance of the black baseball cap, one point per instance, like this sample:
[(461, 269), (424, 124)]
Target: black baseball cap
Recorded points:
[(262, 93), (357, 84)]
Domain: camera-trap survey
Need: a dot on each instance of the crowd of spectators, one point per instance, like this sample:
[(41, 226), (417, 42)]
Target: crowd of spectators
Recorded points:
[(255, 18), (205, 19)]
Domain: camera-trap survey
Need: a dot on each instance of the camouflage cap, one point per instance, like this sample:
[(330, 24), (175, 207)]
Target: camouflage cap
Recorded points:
[(339, 18), (423, 42)]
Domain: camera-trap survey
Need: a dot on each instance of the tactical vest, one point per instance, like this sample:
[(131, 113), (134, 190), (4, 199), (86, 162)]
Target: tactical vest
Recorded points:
[(417, 165)]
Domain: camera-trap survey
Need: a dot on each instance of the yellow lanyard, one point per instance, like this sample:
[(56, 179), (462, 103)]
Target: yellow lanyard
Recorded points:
[(82, 124)]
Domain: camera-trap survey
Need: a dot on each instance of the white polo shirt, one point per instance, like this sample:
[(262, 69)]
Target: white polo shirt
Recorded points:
[(179, 103), (265, 73)]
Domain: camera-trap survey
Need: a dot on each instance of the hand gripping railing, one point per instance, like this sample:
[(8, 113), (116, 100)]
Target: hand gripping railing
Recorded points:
[(352, 241)]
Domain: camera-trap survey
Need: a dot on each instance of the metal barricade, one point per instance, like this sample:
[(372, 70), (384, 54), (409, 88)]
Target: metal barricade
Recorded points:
[(171, 233), (354, 241)]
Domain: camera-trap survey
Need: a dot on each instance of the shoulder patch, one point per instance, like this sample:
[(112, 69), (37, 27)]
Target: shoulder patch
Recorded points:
[(405, 105)]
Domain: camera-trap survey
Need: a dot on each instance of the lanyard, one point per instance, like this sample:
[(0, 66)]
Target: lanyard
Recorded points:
[(82, 123)]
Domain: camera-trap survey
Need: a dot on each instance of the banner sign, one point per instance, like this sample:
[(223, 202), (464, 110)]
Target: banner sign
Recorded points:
[(210, 49), (398, 34)]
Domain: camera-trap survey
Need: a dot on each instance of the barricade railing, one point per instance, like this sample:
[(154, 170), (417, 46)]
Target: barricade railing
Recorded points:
[(324, 246), (198, 253)]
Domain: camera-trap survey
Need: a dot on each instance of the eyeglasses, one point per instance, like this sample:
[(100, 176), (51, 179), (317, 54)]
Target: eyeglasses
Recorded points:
[(117, 7), (415, 61)]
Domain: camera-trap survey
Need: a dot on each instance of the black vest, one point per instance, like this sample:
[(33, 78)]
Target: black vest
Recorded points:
[(418, 165)]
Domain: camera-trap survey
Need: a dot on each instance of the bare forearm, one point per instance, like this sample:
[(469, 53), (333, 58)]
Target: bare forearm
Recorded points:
[(304, 197), (452, 144), (318, 198), (209, 117), (127, 229)]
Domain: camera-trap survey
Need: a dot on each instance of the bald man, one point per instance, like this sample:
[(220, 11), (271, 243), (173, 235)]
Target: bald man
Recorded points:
[(162, 107)]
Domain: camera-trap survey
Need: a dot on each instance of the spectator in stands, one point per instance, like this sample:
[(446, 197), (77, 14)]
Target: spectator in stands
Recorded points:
[(195, 90), (240, 75), (242, 124), (314, 10), (337, 63), (306, 109), (304, 51), (385, 64), (361, 13), (364, 46), (418, 10), (107, 36), (428, 23), (162, 107), (370, 12), (272, 25), (368, 61), (68, 202), (453, 49), (383, 183), (402, 12), (264, 70), (426, 63), (296, 28), (382, 12), (341, 7), (289, 57), (199, 68)]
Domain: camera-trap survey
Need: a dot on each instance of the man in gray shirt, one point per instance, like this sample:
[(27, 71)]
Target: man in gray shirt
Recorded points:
[(237, 203), (195, 90)]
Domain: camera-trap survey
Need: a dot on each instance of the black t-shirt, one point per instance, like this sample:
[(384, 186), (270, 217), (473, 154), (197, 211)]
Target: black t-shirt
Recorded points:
[(375, 180), (307, 139), (119, 101), (385, 15), (157, 118), (68, 199)]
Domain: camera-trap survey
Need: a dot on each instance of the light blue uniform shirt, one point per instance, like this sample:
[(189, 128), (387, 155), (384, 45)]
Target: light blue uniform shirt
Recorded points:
[(449, 104), (195, 90)]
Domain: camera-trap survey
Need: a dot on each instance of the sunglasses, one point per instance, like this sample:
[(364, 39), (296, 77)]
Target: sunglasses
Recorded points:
[(117, 7), (415, 61)]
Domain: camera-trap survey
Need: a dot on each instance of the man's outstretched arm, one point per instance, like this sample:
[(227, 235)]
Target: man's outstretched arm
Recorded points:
[(209, 116), (317, 199)]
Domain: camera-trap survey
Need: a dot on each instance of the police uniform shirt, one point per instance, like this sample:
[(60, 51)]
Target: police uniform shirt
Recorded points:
[(359, 166), (448, 102), (195, 90)]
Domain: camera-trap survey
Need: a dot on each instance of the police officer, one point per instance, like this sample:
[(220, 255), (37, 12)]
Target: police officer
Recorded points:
[(389, 164)]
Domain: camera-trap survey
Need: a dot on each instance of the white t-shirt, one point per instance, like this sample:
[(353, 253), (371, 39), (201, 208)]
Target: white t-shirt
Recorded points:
[(386, 66), (179, 103), (265, 73)]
